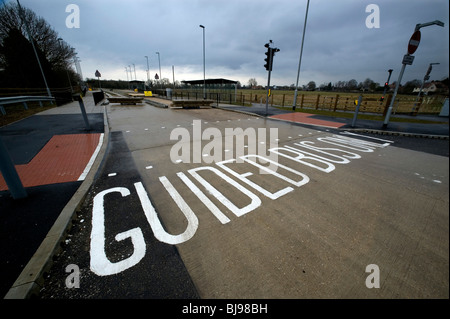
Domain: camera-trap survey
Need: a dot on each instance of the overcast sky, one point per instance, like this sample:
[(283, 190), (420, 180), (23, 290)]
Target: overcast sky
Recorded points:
[(338, 45)]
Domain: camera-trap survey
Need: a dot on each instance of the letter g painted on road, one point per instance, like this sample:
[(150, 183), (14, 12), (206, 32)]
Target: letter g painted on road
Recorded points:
[(100, 264)]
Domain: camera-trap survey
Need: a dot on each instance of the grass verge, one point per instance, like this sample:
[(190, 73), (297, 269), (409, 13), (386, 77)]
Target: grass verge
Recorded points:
[(363, 116)]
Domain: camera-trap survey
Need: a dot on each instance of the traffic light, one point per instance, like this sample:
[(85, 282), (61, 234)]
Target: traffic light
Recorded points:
[(268, 59), (386, 84), (269, 56)]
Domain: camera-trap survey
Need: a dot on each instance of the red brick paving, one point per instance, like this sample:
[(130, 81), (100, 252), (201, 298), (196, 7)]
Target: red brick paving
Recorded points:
[(306, 118), (63, 159)]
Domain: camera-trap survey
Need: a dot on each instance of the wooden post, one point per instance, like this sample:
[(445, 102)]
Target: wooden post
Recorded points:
[(317, 101), (336, 102), (282, 103), (301, 102)]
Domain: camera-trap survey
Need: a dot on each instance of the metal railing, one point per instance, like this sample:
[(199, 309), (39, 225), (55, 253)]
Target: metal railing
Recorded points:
[(24, 100)]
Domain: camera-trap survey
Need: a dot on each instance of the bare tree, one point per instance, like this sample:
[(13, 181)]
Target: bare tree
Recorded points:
[(57, 52), (252, 82), (311, 86)]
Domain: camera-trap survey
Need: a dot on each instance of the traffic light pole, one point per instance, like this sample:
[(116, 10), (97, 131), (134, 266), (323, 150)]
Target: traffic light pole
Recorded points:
[(386, 85), (268, 82)]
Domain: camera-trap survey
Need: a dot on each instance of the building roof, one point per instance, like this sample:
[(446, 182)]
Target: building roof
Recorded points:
[(210, 81)]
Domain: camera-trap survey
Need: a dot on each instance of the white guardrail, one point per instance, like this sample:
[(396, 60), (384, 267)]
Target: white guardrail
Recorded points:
[(24, 100)]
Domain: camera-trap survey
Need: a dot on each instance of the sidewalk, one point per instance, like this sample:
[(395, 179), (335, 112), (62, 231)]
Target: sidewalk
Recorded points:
[(52, 152)]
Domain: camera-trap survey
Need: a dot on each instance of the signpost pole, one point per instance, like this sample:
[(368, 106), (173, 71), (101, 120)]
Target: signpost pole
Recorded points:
[(10, 175), (408, 59)]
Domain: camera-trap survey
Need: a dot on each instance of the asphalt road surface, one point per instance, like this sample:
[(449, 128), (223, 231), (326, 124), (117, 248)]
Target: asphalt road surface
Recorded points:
[(192, 204)]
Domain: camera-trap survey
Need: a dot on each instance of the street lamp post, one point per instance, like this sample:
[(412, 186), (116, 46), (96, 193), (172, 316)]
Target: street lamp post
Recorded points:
[(148, 70), (407, 55), (425, 78), (204, 78), (159, 62), (300, 59), (34, 48), (67, 71)]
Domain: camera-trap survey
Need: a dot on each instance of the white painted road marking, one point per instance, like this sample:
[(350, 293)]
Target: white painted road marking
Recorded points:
[(100, 264)]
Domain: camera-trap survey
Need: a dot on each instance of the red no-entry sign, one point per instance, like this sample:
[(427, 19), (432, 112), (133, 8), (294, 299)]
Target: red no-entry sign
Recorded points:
[(414, 42)]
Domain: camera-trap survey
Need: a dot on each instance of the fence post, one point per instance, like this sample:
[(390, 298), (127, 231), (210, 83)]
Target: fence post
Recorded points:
[(282, 103), (301, 101), (336, 102), (317, 101)]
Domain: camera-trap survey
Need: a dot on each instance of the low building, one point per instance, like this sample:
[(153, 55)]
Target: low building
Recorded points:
[(135, 84), (433, 87)]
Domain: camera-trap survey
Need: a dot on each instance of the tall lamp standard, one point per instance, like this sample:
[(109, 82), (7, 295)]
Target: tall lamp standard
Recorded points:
[(300, 59), (67, 71), (159, 61), (148, 69), (204, 79), (34, 48), (425, 78)]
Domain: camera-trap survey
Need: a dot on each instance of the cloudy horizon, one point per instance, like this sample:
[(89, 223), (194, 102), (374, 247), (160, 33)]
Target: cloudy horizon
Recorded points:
[(339, 46)]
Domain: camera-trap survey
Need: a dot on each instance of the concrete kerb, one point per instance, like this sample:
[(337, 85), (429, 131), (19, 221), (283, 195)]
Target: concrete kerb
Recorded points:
[(30, 281), (396, 133), (238, 111)]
